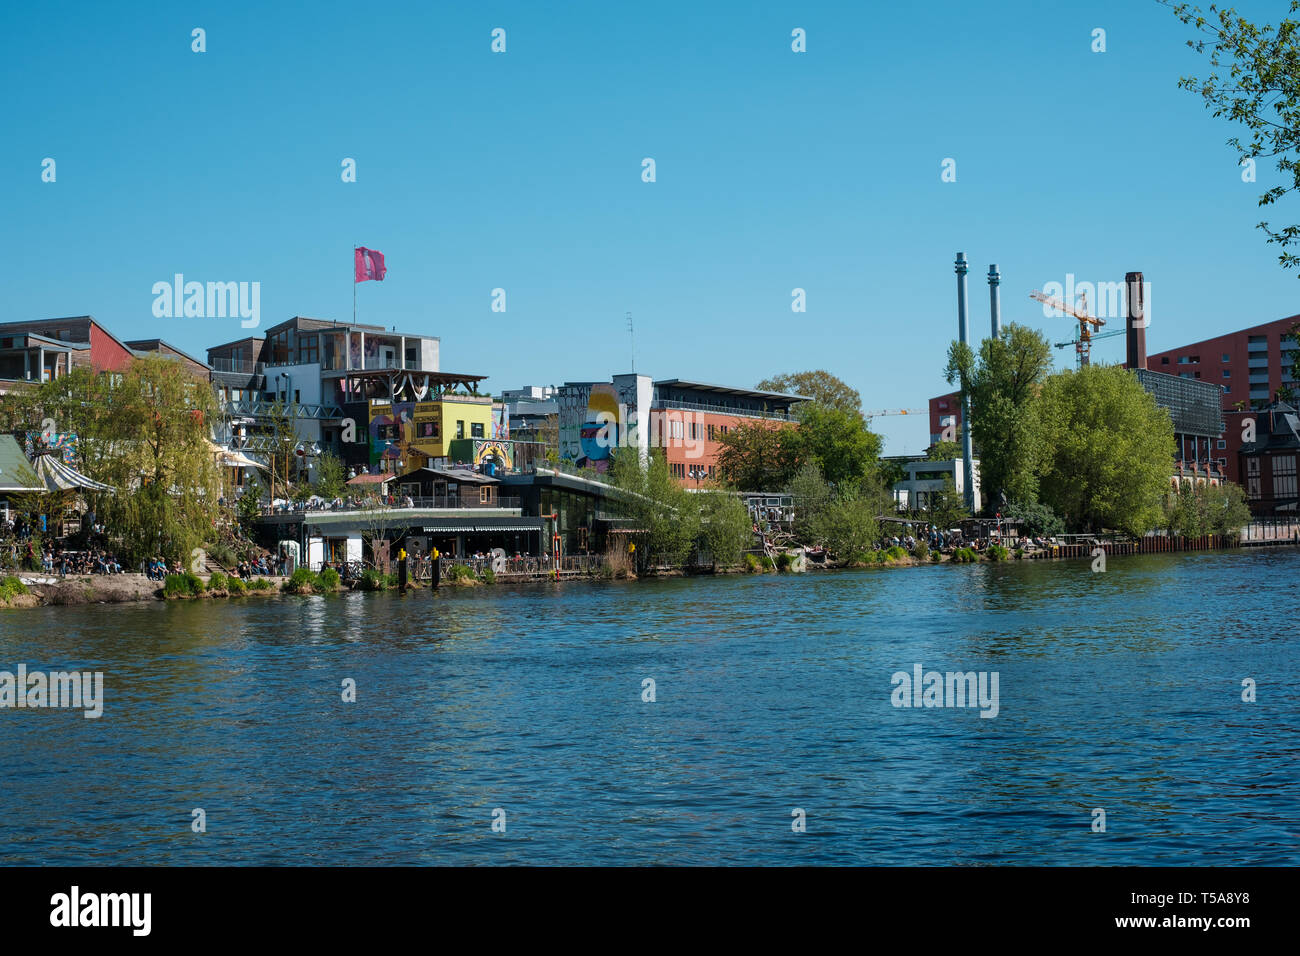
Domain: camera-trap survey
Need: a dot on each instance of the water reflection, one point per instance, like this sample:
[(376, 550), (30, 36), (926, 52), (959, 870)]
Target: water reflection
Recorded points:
[(1118, 690)]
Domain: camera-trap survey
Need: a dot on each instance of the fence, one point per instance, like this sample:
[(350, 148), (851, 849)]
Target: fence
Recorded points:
[(391, 503), (523, 566)]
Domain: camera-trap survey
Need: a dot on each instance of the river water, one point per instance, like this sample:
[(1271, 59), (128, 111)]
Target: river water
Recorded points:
[(1119, 691)]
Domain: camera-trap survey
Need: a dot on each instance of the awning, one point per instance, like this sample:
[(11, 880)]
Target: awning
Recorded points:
[(60, 477)]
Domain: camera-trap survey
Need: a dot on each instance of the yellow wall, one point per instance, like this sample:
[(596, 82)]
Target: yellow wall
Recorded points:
[(432, 426)]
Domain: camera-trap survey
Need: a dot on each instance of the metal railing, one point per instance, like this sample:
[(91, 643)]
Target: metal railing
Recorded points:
[(524, 565), (726, 410), (392, 503)]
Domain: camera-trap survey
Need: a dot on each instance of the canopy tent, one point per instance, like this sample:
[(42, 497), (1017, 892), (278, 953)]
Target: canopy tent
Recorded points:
[(237, 459), (229, 458), (57, 476)]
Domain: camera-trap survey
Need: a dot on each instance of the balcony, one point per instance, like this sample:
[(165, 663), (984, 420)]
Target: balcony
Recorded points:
[(394, 506), (772, 415)]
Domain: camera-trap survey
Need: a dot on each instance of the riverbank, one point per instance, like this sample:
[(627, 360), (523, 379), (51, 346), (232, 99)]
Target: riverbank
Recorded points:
[(44, 590)]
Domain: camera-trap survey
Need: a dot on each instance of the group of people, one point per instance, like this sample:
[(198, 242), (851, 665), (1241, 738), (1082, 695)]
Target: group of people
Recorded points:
[(80, 562), (156, 569)]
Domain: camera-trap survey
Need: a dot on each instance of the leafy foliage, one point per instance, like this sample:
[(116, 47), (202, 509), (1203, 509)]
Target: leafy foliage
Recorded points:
[(1001, 384), (1106, 449), (1255, 82), (665, 518), (725, 529), (820, 386)]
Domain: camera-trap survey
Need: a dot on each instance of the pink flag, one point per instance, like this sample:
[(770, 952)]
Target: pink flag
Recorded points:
[(369, 265)]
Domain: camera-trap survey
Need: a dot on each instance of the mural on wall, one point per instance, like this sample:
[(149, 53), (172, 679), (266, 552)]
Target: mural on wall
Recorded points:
[(61, 444), (498, 452), (392, 431), (599, 434)]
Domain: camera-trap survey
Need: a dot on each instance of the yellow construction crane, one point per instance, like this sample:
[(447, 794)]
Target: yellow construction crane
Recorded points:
[(1083, 347), (877, 412)]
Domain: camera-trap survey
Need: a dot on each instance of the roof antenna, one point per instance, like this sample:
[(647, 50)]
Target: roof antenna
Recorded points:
[(632, 336)]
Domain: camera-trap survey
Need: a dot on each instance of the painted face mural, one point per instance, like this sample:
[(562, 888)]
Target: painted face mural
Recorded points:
[(600, 428)]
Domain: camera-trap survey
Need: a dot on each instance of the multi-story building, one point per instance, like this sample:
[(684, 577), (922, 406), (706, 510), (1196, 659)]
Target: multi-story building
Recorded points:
[(1249, 367), (324, 376), (529, 411), (1268, 463), (924, 479), (44, 349), (685, 419)]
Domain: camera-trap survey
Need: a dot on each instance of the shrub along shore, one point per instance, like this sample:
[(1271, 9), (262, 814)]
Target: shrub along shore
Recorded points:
[(121, 588)]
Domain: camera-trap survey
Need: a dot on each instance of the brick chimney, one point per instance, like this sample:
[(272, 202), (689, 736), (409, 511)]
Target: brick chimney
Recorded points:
[(1136, 321)]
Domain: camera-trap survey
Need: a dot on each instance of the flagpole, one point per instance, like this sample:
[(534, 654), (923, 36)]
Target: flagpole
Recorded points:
[(354, 284)]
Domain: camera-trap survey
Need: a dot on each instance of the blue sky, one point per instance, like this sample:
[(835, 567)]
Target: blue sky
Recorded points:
[(522, 171)]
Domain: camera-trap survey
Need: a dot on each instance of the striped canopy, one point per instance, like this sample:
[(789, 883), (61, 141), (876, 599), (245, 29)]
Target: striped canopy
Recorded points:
[(60, 477)]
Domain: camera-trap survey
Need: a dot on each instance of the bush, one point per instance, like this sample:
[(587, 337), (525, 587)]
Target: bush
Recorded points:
[(1020, 553), (488, 576), (784, 560), (330, 580), (460, 572), (302, 581), (218, 582), (371, 580), (920, 551), (260, 584), (965, 555), (234, 587), (767, 562), (11, 587), (896, 553), (188, 584), (752, 564), (996, 552), (936, 557)]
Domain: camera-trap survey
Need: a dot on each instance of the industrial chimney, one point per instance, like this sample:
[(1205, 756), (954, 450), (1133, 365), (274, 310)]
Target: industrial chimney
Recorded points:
[(1135, 304), (995, 300), (963, 333)]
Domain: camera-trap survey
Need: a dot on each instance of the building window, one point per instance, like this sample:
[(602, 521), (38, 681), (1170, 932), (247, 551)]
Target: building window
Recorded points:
[(1227, 373), (712, 431), (1164, 360), (1252, 488), (1227, 357), (476, 429), (1222, 443), (426, 429), (485, 494), (460, 429), (710, 472), (1284, 476), (307, 354)]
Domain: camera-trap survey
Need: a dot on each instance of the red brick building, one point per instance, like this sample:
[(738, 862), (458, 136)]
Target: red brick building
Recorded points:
[(1250, 365)]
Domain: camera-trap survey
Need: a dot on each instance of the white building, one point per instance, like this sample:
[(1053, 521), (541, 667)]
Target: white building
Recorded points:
[(926, 477)]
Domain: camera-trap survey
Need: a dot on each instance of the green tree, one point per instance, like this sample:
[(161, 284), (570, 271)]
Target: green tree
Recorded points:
[(944, 507), (1218, 509), (812, 496), (665, 516), (838, 442), (820, 386), (758, 456), (1001, 384), (1036, 518), (1254, 81), (331, 476), (1107, 447), (159, 455), (848, 525), (944, 451), (725, 528)]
